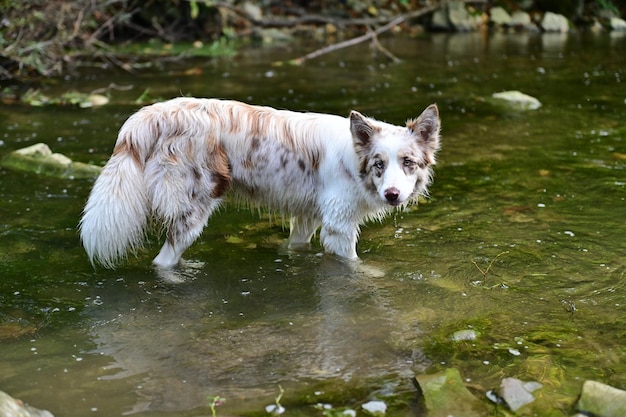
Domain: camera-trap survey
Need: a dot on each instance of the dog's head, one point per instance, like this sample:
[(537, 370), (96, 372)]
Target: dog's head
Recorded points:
[(395, 163)]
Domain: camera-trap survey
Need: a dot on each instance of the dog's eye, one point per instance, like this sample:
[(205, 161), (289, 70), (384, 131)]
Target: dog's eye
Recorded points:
[(409, 162), (379, 164)]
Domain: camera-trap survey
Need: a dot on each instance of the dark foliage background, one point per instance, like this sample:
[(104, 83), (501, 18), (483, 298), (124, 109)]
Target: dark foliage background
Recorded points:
[(49, 37)]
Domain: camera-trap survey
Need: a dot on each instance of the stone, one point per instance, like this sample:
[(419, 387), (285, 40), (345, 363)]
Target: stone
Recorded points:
[(444, 394), (11, 407), (516, 394), (375, 407), (253, 11), (467, 334), (273, 35), (38, 158), (522, 20), (459, 17), (617, 24), (439, 20), (94, 100), (602, 400), (517, 100), (553, 22), (499, 16)]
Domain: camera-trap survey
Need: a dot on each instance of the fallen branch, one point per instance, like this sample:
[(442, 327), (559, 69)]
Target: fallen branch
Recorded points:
[(359, 39), (382, 49)]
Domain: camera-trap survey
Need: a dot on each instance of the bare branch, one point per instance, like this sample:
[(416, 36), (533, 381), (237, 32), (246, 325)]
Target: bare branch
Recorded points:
[(369, 35), (382, 49)]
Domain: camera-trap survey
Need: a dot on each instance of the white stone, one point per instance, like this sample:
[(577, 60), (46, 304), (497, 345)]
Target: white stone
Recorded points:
[(617, 24), (460, 17), (60, 159), (499, 16), (253, 11), (518, 99), (467, 334), (38, 149), (375, 407), (515, 394), (440, 20), (553, 22), (520, 18)]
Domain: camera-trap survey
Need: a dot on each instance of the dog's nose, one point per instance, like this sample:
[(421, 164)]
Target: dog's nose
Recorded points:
[(392, 194)]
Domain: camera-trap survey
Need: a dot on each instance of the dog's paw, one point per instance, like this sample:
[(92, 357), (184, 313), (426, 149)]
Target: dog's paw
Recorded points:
[(185, 271)]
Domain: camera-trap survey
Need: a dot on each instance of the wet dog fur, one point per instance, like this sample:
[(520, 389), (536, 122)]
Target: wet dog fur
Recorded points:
[(174, 162)]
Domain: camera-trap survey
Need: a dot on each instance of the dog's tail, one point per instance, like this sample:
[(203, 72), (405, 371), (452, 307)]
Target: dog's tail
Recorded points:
[(116, 214)]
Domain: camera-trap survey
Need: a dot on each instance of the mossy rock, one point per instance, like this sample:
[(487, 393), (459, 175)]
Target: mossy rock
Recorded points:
[(445, 394), (602, 400), (39, 159), (515, 100)]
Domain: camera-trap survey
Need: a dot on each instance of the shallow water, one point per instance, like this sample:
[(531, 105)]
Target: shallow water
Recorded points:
[(522, 240)]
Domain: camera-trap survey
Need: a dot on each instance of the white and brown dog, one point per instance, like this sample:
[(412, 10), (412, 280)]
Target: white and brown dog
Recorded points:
[(174, 162)]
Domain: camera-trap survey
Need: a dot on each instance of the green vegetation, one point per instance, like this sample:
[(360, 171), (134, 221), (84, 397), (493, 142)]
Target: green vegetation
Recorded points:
[(215, 402), (51, 38)]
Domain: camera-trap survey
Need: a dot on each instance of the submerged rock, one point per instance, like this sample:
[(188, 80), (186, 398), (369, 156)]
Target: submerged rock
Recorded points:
[(10, 407), (39, 159), (467, 334), (445, 394), (602, 400), (517, 100), (36, 98), (375, 407), (516, 394)]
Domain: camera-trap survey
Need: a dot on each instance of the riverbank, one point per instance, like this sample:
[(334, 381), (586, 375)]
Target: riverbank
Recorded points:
[(55, 38)]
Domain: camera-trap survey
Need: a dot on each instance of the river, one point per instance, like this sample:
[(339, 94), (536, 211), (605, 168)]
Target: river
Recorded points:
[(522, 241)]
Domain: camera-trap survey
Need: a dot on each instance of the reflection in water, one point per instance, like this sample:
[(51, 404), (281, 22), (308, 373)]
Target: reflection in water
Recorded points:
[(213, 336), (501, 45)]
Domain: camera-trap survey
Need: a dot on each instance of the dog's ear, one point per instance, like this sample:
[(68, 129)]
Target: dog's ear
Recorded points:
[(361, 128), (426, 127)]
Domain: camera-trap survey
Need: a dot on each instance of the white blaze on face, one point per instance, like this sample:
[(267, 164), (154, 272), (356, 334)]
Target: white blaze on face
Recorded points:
[(397, 182)]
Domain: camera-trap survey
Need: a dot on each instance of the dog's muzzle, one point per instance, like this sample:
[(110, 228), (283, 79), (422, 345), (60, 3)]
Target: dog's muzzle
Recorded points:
[(392, 194)]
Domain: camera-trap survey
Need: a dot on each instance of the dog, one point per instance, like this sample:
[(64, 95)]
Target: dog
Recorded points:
[(174, 162)]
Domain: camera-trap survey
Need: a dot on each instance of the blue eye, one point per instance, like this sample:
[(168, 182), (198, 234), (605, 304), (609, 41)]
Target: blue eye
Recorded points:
[(379, 164)]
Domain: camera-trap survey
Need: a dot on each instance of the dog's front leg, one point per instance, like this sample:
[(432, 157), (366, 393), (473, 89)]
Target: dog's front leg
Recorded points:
[(340, 231), (340, 241)]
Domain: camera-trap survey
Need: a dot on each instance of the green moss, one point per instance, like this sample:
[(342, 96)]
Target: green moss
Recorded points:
[(39, 159)]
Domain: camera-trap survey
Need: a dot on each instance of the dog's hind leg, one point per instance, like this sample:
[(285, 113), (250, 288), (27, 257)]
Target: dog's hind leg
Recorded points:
[(182, 232), (184, 192), (302, 230)]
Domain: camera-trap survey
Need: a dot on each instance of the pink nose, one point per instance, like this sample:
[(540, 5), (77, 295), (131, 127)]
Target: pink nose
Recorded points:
[(392, 194)]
